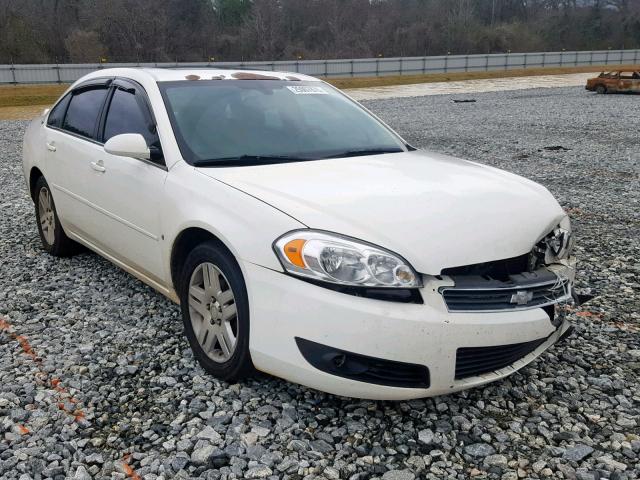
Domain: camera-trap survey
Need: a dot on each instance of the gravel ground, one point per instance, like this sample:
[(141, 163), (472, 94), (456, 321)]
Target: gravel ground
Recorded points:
[(98, 382)]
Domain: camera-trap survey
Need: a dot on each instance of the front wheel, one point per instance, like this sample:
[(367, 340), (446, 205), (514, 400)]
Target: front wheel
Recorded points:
[(601, 89), (215, 312)]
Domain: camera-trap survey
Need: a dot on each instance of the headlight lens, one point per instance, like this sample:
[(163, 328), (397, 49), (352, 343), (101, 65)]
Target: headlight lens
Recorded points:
[(342, 260)]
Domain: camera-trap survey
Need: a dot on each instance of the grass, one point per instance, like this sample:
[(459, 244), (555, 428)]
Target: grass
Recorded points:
[(27, 95), (26, 101)]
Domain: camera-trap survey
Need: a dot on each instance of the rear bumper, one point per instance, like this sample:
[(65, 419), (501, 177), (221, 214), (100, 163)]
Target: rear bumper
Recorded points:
[(284, 308)]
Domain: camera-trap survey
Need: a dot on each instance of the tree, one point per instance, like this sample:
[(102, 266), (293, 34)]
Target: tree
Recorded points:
[(84, 47), (195, 30)]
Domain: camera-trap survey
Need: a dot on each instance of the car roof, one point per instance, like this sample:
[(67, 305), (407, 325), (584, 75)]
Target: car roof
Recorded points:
[(186, 74)]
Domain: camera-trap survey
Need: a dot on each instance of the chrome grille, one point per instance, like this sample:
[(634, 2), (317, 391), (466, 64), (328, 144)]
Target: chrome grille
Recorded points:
[(481, 294)]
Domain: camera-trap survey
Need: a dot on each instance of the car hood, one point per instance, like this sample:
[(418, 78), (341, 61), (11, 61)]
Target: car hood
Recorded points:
[(434, 210)]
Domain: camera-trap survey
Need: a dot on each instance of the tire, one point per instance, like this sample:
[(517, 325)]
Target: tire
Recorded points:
[(215, 312), (54, 239), (601, 89)]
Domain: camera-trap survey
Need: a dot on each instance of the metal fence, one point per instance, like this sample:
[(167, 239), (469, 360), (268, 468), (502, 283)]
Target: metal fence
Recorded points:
[(361, 67)]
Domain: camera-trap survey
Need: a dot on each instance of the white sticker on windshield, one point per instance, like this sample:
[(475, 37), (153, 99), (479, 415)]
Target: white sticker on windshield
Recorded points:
[(308, 90)]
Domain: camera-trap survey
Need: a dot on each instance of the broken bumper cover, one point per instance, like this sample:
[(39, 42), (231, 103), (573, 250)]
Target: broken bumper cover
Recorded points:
[(369, 338), (540, 288)]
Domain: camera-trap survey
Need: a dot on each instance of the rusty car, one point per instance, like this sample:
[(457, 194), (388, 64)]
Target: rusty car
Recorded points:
[(616, 81)]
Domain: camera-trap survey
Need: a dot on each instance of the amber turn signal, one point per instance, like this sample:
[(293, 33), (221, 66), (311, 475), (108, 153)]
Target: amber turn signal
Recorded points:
[(293, 251)]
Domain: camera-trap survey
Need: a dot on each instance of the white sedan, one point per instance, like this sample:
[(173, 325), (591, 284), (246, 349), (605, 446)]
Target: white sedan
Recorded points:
[(301, 236)]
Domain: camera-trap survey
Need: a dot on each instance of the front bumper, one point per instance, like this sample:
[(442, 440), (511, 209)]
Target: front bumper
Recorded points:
[(284, 308)]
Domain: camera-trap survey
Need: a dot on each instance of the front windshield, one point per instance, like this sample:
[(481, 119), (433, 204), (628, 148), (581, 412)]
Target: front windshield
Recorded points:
[(227, 122)]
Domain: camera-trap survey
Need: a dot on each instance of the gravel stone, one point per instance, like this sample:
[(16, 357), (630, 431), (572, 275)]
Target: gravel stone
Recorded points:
[(586, 475), (180, 461), (321, 446), (331, 473), (609, 461), (496, 460), (117, 348), (398, 475), (261, 471), (81, 474), (426, 436), (479, 449), (201, 455), (210, 434), (94, 458), (249, 438), (577, 453)]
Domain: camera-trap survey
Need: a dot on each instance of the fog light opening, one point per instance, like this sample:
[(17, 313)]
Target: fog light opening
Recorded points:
[(339, 360)]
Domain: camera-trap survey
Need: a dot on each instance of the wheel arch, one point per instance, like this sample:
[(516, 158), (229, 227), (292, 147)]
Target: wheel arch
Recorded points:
[(184, 243), (34, 175)]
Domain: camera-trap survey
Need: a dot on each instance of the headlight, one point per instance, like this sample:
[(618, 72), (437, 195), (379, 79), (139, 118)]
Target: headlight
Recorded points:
[(342, 260), (558, 242)]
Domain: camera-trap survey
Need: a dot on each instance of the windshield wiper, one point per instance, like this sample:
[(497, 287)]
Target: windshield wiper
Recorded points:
[(365, 151), (248, 160)]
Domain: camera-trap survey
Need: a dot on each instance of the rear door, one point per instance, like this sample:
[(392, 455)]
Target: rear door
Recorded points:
[(612, 82), (127, 191), (71, 148)]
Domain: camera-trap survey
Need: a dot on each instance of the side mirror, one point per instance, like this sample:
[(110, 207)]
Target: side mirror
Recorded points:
[(128, 145)]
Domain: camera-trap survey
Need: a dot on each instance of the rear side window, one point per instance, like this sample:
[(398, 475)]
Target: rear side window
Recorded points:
[(57, 114), (126, 115), (83, 111)]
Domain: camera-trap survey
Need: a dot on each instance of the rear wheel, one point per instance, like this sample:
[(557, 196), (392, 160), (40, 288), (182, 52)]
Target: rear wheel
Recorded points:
[(601, 89), (215, 312), (54, 239)]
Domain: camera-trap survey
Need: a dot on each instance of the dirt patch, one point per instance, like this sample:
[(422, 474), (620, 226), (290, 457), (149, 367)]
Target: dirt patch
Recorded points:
[(364, 82)]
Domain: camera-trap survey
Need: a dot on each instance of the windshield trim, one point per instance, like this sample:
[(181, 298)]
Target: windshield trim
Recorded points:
[(189, 156)]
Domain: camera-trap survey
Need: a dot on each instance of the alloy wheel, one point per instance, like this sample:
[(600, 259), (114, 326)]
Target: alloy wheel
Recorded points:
[(213, 313), (47, 216)]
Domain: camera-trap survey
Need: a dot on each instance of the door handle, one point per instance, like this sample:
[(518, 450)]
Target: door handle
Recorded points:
[(98, 166), (51, 147)]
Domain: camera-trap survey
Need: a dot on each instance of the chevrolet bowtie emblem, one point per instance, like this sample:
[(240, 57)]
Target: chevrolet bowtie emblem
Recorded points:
[(521, 297)]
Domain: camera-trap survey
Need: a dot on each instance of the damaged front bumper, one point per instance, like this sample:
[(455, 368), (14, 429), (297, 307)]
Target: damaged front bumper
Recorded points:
[(545, 286), (367, 348), (354, 339)]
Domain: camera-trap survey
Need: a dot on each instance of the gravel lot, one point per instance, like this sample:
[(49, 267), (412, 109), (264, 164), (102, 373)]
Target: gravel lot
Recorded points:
[(98, 382)]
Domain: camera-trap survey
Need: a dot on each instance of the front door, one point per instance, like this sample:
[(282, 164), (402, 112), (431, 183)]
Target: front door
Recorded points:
[(613, 82), (127, 191)]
